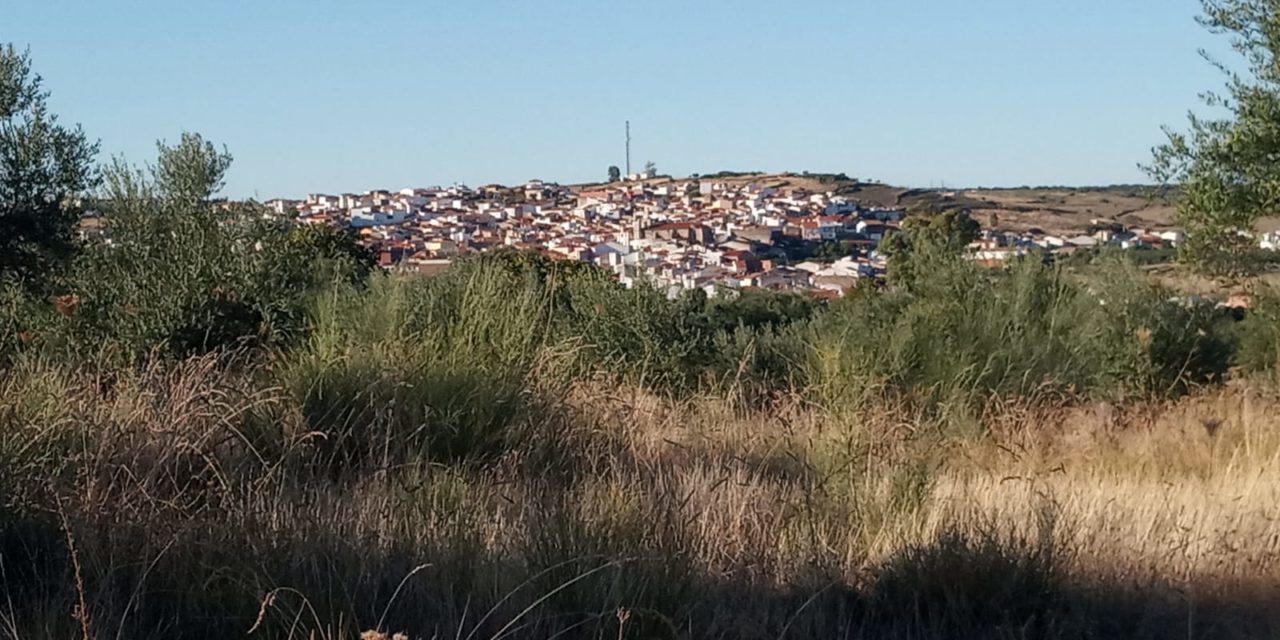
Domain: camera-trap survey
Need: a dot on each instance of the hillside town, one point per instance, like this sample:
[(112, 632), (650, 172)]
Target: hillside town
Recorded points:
[(715, 235)]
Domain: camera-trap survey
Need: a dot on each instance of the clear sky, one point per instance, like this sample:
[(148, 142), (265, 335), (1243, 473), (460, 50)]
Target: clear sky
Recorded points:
[(330, 96)]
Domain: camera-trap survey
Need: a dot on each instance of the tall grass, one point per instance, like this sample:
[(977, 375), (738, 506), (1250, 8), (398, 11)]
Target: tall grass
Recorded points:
[(513, 450), (443, 368), (652, 518), (219, 427)]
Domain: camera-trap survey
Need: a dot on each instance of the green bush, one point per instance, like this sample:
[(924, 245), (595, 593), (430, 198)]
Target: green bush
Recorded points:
[(183, 275), (637, 333), (754, 364), (442, 368), (674, 345), (962, 334), (1260, 334), (1147, 340)]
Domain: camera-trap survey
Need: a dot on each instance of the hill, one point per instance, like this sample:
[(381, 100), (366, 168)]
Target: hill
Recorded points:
[(1066, 209), (1062, 210)]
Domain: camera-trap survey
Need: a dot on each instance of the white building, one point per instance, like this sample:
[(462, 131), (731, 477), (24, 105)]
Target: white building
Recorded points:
[(370, 217)]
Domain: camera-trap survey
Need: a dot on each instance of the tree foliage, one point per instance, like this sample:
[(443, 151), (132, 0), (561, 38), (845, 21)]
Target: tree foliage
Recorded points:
[(43, 167), (192, 170), (925, 240), (1227, 166), (615, 174), (184, 273), (832, 250)]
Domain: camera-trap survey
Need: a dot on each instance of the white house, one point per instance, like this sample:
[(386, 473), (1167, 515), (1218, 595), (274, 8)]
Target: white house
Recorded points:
[(371, 217)]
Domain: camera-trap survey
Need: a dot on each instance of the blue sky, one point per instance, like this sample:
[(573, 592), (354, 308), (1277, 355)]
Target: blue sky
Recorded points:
[(344, 96)]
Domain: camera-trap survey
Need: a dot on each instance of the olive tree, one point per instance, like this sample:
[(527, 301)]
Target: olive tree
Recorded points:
[(188, 272), (44, 166), (1228, 167), (926, 243)]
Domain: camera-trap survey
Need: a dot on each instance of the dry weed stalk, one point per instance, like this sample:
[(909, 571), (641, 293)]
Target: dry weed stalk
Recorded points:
[(81, 613)]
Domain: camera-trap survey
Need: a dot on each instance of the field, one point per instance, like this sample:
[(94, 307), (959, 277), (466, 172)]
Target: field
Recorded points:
[(220, 425), (632, 515), (1071, 210), (521, 449)]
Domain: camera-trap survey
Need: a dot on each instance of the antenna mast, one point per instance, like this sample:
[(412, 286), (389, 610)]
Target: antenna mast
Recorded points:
[(628, 147)]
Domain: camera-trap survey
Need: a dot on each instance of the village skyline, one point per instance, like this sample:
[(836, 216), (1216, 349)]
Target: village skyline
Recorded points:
[(334, 97), (722, 234)]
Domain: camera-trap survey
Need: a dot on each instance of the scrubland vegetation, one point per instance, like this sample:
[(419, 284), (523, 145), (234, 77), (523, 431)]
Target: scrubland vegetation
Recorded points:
[(218, 424)]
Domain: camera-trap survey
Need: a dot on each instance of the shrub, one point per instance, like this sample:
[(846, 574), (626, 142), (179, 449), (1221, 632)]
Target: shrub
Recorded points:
[(637, 333), (1260, 333), (183, 275), (674, 345), (960, 334), (438, 367), (1147, 340)]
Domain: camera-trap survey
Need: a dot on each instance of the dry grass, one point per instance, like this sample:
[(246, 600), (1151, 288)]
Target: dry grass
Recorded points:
[(1069, 211), (1180, 279), (638, 517)]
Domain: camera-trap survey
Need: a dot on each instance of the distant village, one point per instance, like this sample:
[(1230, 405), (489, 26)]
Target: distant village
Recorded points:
[(720, 236)]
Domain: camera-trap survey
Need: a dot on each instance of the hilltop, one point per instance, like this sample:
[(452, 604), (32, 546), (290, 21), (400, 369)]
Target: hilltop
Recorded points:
[(1056, 209)]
